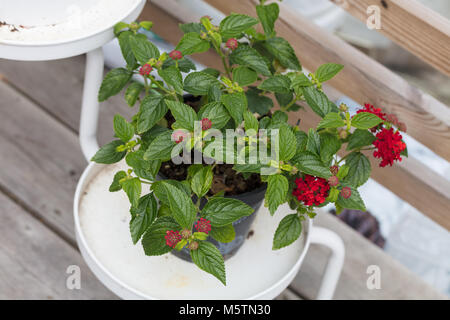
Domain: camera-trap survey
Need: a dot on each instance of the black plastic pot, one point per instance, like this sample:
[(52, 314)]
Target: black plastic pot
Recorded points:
[(242, 226)]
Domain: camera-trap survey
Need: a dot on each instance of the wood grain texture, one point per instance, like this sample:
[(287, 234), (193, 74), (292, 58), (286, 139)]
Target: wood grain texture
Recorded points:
[(397, 282), (418, 29), (363, 79), (412, 181), (34, 260)]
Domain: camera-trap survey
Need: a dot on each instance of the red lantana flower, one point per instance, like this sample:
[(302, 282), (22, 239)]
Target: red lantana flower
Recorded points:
[(172, 238), (232, 44), (311, 190), (175, 55), (389, 145), (203, 225), (206, 124), (145, 70)]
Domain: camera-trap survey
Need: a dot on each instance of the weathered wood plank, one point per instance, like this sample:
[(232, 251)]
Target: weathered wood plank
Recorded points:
[(34, 260), (288, 294), (418, 29), (363, 79), (426, 191), (397, 282)]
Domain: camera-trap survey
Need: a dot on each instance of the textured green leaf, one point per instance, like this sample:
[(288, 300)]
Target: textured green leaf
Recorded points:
[(181, 206), (360, 138), (216, 112), (183, 114), (235, 24), (277, 188), (184, 64), (192, 43), (223, 234), (125, 47), (246, 56), (132, 188), (114, 81), (223, 211), (192, 27), (359, 169), (158, 187), (244, 76), (236, 104), (172, 77), (354, 202), (268, 14), (153, 108), (154, 241), (143, 216), (208, 258), (365, 120), (250, 121), (258, 103), (115, 185), (201, 181), (283, 52), (108, 154), (313, 142), (317, 100), (311, 164), (123, 130), (143, 49), (288, 231), (160, 148), (331, 120), (329, 146), (276, 83), (327, 71), (133, 92), (288, 142), (199, 83)]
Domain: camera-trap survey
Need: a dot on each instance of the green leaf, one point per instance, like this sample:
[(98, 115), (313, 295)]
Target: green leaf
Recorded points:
[(132, 188), (153, 108), (154, 241), (192, 43), (143, 216), (302, 140), (277, 188), (158, 187), (236, 104), (223, 211), (115, 185), (327, 71), (216, 112), (199, 83), (214, 93), (268, 15), (201, 181), (119, 27), (283, 52), (247, 56), (277, 83), (360, 138), (250, 121), (125, 47), (354, 202), (223, 234), (313, 142), (143, 168), (123, 130), (248, 167), (212, 72), (184, 64), (365, 120), (183, 114), (143, 49), (161, 147), (317, 100), (331, 120), (192, 27), (244, 76), (258, 103), (181, 206), (172, 77), (288, 142), (113, 83), (208, 258), (329, 146), (108, 154), (299, 80), (288, 231), (235, 24), (133, 92), (359, 169), (311, 164)]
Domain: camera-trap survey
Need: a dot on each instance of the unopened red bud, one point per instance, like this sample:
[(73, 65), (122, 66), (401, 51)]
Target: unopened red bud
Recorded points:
[(334, 170), (175, 55), (145, 70), (185, 233), (333, 181), (206, 124), (193, 245), (392, 118), (402, 126), (346, 192), (232, 44)]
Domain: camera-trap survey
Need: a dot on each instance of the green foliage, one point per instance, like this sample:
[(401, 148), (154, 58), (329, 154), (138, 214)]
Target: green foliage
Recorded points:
[(277, 188), (114, 81), (223, 211), (235, 24), (288, 231), (365, 120), (208, 258)]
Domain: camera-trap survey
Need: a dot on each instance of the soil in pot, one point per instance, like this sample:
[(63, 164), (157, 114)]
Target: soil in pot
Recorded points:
[(250, 190)]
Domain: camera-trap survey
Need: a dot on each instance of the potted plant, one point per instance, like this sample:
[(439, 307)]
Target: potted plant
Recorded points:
[(201, 164)]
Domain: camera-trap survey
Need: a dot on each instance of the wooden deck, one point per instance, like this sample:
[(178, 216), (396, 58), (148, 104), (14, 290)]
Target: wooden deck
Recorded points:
[(41, 161)]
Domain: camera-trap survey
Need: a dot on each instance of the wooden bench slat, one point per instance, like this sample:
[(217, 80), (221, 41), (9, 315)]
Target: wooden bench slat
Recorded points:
[(415, 27), (34, 260)]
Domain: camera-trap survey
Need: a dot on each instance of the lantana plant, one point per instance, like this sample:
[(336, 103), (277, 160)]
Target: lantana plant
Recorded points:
[(259, 68)]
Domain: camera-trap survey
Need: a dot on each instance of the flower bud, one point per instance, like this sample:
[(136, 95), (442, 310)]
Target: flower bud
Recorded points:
[(346, 192), (334, 170), (343, 107), (402, 126), (193, 245), (186, 233), (232, 44), (206, 124), (333, 181), (343, 134), (175, 54)]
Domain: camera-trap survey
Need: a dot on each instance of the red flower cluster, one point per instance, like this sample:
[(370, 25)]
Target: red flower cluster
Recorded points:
[(175, 55), (206, 124), (389, 145), (203, 225), (172, 238), (232, 44), (145, 70), (311, 190)]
